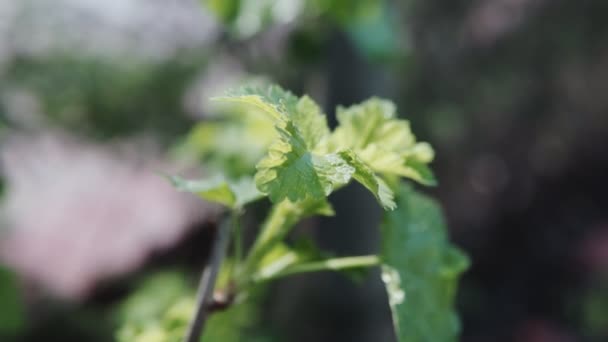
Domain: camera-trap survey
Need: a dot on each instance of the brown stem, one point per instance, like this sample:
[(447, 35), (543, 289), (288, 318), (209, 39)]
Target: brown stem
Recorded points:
[(207, 283)]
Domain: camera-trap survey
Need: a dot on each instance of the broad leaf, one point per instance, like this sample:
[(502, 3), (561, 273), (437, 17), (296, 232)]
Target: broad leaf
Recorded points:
[(291, 171), (307, 162), (421, 270), (384, 142), (283, 106), (217, 189)]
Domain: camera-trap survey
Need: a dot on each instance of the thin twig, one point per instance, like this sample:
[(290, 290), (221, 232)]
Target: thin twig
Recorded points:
[(207, 283)]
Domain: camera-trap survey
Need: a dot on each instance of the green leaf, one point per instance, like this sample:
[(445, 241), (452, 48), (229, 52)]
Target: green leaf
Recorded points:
[(366, 176), (422, 269), (12, 315), (383, 142), (217, 189), (307, 162), (291, 171), (419, 172), (308, 122)]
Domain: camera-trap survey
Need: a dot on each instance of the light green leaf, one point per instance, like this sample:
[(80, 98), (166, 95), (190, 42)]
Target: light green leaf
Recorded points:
[(306, 161), (381, 140), (272, 100), (283, 107), (291, 171), (245, 191), (366, 176), (217, 189), (419, 172), (422, 270)]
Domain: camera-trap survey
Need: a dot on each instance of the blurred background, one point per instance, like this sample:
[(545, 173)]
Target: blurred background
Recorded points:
[(96, 97)]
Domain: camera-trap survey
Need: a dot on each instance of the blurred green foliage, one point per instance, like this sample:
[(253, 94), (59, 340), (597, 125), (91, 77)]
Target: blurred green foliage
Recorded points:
[(595, 310), (343, 11), (2, 188), (104, 98), (161, 308), (12, 310), (371, 24), (230, 144)]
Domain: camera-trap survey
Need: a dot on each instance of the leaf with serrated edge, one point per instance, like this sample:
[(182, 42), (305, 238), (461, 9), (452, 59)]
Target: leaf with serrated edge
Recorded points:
[(283, 107), (291, 171), (386, 144), (308, 162), (366, 176)]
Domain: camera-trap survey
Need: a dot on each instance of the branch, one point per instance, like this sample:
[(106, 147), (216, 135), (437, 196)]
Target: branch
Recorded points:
[(207, 283)]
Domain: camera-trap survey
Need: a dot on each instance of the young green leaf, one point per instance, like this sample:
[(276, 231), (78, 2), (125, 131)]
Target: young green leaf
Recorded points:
[(421, 271), (283, 106), (233, 195), (382, 141), (307, 162), (291, 171)]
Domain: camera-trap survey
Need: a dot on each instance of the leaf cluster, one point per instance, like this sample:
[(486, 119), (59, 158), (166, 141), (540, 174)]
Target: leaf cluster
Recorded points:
[(298, 164)]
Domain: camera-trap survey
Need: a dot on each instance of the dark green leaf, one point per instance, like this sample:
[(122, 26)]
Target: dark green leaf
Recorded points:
[(422, 269)]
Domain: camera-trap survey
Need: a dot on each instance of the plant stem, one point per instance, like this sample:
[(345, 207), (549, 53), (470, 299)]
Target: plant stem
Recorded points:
[(335, 264), (238, 238), (207, 283), (277, 225)]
